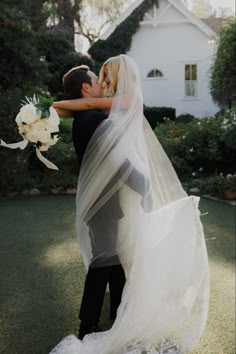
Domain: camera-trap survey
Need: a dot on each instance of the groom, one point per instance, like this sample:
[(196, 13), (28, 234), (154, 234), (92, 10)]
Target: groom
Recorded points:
[(81, 82)]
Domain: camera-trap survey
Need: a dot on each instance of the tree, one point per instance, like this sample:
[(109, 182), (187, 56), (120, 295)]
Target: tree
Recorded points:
[(104, 11), (21, 66), (78, 16), (22, 74), (223, 74), (57, 50)]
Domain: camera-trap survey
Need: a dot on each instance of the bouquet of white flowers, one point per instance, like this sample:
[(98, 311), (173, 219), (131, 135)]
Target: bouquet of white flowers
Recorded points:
[(38, 123)]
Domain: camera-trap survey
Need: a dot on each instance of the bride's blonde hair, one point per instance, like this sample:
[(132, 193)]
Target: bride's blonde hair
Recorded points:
[(112, 65)]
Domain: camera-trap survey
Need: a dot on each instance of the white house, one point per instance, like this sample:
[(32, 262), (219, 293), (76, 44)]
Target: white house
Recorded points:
[(174, 51)]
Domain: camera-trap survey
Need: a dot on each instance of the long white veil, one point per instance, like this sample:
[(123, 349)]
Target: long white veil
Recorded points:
[(131, 208)]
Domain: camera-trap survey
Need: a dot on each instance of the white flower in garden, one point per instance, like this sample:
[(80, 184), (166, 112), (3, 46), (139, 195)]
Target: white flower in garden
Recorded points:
[(221, 174), (199, 123), (234, 119), (192, 149), (184, 136), (229, 175), (28, 114), (201, 169), (225, 121), (193, 174)]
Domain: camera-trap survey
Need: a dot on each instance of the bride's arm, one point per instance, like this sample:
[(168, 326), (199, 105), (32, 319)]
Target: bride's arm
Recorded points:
[(64, 113), (82, 104)]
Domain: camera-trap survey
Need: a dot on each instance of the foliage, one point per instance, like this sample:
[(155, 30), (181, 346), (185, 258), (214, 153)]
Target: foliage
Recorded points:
[(185, 118), (157, 115), (57, 50), (223, 75), (20, 63), (202, 147), (216, 185), (202, 8), (105, 12), (22, 74), (120, 40), (77, 17)]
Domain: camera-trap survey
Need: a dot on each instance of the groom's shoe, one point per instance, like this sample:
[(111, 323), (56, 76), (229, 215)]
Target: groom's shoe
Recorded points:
[(88, 328)]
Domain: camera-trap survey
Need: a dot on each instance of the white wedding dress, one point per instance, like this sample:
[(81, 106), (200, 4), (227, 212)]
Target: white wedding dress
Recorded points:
[(160, 239)]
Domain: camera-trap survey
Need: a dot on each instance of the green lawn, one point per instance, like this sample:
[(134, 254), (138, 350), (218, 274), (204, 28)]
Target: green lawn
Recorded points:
[(41, 275)]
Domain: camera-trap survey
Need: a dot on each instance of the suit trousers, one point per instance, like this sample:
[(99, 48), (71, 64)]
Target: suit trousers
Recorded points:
[(94, 292)]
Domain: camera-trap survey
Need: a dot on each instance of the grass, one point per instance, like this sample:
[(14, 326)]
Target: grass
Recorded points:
[(42, 276)]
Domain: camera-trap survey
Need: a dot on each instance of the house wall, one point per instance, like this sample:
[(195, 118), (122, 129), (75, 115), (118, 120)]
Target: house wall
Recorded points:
[(168, 47)]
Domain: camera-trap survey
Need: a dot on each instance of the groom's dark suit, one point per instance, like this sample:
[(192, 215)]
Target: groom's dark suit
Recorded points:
[(101, 273), (84, 125)]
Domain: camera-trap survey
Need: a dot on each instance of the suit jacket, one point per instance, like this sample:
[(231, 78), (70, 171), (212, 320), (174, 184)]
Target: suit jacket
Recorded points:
[(84, 125)]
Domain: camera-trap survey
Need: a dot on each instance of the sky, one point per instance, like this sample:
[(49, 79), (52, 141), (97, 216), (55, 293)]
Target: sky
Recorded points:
[(221, 3)]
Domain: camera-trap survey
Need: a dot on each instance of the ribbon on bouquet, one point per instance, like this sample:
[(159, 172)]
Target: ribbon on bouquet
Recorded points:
[(22, 145)]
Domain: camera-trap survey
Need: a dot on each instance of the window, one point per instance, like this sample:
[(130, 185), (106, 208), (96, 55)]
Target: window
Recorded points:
[(190, 80), (155, 73)]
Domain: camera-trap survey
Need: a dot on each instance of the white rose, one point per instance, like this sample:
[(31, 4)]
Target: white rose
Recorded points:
[(52, 128), (53, 119), (38, 131), (44, 136), (21, 128), (28, 114), (18, 119), (54, 140), (45, 124), (30, 134)]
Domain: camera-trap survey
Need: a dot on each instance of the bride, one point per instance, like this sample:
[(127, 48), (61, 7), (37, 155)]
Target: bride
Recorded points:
[(160, 240)]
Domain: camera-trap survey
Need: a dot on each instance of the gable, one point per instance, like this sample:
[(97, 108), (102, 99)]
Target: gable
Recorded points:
[(117, 39), (121, 33), (166, 12)]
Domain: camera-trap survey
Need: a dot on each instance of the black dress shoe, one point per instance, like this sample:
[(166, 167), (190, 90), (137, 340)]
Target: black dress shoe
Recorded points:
[(88, 328)]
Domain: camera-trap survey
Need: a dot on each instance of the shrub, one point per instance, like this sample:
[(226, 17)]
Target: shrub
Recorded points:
[(201, 148), (157, 115), (216, 185), (185, 118)]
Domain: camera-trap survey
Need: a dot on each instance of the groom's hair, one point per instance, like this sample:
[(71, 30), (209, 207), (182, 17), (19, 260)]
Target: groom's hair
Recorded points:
[(73, 81)]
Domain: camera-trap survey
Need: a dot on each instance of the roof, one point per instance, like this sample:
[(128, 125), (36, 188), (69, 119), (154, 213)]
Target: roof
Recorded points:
[(202, 25), (215, 22)]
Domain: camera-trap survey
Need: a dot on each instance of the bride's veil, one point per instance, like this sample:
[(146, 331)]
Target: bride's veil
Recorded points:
[(123, 150), (131, 208)]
